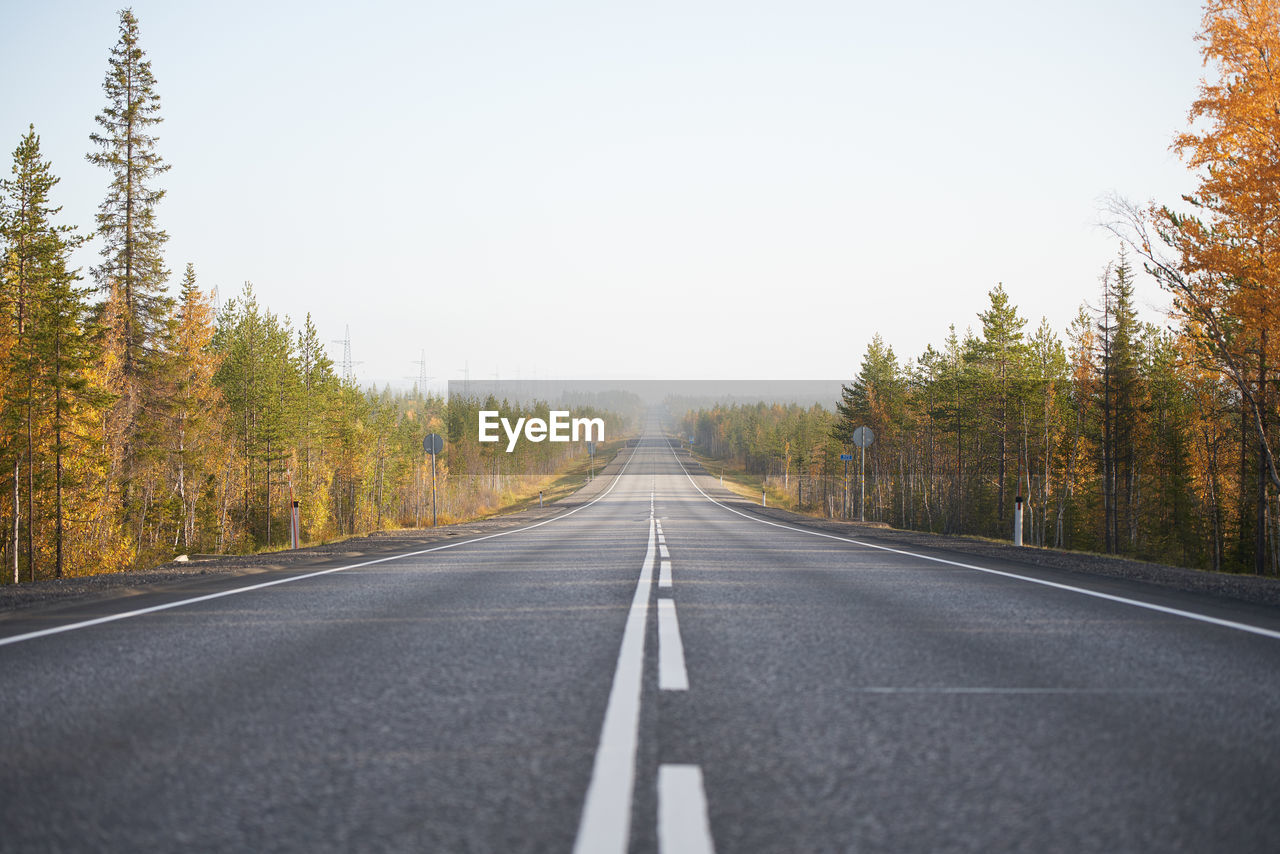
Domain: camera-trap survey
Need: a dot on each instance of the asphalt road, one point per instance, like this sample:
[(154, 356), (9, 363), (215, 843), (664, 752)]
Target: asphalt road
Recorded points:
[(544, 689)]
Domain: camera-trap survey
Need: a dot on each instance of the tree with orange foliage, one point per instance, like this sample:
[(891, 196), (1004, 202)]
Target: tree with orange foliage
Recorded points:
[(1224, 269)]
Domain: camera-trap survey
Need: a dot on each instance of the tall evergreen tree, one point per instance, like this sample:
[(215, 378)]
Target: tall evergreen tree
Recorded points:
[(1119, 345), (132, 272), (1002, 355), (259, 379), (43, 313), (132, 269)]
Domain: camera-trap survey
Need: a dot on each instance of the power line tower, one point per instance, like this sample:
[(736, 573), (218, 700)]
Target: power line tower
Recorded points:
[(348, 366), (466, 379), (422, 378)]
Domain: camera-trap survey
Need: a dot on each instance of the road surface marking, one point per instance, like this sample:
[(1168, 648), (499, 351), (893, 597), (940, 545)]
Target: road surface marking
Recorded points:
[(661, 539), (605, 826), (111, 618), (683, 827), (663, 551), (664, 574), (671, 673), (1137, 603), (962, 689)]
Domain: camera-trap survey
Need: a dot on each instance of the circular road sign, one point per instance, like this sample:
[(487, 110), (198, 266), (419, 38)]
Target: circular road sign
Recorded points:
[(863, 437), (433, 444)]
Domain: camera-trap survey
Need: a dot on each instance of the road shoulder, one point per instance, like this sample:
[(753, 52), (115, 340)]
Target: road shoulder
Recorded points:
[(195, 576), (1254, 590)]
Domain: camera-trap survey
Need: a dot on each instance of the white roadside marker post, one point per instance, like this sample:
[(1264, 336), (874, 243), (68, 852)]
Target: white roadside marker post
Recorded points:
[(1017, 521)]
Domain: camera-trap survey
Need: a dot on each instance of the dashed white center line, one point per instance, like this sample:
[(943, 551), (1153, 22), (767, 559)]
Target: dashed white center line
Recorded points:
[(662, 550), (683, 827), (664, 574), (661, 539), (672, 675), (606, 816)]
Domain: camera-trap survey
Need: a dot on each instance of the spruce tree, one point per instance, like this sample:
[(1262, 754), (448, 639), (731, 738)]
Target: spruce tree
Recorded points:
[(132, 272), (132, 266), (1119, 354), (67, 350), (1002, 356), (44, 313)]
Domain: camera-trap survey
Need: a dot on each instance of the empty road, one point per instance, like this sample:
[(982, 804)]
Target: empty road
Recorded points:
[(654, 671)]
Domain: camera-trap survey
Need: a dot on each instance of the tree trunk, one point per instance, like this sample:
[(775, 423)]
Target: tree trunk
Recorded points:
[(31, 497), (1260, 533), (17, 514), (57, 453)]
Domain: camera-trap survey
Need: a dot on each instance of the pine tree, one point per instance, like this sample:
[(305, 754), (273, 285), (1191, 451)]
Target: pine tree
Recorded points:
[(44, 313), (132, 268), (67, 351), (1001, 355), (132, 273), (258, 377), (1119, 357), (874, 399), (197, 409), (954, 409)]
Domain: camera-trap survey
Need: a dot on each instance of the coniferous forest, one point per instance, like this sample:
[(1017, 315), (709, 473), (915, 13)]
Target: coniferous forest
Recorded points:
[(139, 420), (1153, 441)]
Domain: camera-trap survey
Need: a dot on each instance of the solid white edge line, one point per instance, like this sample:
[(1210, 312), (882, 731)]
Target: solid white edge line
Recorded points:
[(683, 827), (672, 675), (1137, 603), (664, 574), (605, 825), (111, 618)]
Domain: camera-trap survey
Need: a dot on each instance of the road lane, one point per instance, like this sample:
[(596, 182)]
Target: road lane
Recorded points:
[(846, 698), (449, 701)]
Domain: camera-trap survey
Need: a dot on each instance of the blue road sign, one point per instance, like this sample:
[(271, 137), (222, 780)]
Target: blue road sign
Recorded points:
[(846, 457)]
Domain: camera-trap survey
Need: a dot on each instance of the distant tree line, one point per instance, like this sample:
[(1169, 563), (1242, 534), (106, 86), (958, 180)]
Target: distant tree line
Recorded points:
[(1117, 439)]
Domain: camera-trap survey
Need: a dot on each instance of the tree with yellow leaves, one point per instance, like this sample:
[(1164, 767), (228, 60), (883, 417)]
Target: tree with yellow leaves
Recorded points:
[(1224, 268)]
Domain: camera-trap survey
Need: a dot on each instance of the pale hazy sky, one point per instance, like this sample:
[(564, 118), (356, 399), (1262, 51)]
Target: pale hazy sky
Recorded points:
[(661, 189)]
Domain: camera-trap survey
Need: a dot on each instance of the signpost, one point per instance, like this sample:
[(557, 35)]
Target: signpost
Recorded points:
[(433, 444), (863, 437), (591, 449)]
